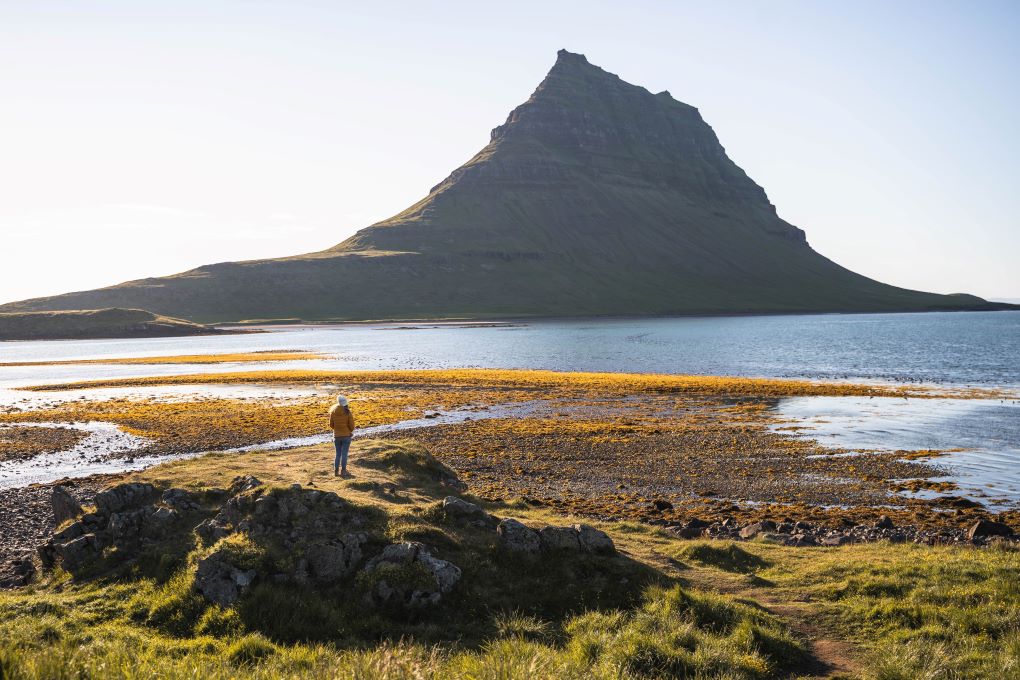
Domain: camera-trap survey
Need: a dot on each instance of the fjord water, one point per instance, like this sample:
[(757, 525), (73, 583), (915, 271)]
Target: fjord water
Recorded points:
[(979, 349), (959, 348)]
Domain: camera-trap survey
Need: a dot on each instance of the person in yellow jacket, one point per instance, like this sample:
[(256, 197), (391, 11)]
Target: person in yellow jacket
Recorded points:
[(342, 422)]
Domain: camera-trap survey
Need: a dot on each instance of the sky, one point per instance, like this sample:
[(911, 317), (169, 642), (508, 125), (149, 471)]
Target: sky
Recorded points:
[(147, 138)]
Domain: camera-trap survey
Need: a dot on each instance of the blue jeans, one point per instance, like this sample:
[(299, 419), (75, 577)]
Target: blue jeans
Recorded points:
[(343, 445)]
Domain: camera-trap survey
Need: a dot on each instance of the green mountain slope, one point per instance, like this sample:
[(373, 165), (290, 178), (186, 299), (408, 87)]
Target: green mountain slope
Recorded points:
[(595, 197)]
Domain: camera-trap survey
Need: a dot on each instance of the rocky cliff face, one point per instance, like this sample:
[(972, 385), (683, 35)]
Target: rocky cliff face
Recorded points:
[(594, 197)]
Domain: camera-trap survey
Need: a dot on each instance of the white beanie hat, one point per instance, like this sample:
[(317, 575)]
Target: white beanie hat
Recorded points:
[(341, 399)]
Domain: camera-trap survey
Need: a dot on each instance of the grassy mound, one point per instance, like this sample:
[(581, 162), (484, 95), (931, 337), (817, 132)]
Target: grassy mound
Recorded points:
[(94, 323)]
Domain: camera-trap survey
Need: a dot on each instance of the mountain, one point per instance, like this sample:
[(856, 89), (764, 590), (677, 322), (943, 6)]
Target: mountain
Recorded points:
[(595, 197)]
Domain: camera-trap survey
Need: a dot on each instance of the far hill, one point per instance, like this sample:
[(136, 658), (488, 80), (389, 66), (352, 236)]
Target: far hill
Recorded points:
[(596, 197), (99, 323)]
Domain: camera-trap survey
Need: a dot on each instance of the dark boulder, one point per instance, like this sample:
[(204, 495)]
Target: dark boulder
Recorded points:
[(517, 537), (124, 497), (984, 528), (65, 507)]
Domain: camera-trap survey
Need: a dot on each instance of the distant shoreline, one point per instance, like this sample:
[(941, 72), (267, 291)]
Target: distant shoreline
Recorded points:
[(496, 321)]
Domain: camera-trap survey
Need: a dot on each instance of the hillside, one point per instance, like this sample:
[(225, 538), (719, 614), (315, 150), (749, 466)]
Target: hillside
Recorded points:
[(100, 323), (596, 197)]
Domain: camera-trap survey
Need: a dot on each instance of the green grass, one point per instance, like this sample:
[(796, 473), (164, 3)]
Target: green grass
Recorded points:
[(725, 556), (673, 631), (660, 608), (923, 612)]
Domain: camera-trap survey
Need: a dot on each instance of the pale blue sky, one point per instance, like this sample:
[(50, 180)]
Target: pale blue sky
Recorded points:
[(146, 138)]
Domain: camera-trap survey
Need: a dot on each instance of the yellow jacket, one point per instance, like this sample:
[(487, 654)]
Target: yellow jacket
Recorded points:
[(341, 420)]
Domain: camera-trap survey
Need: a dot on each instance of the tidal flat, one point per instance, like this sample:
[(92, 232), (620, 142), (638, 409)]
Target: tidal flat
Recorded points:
[(653, 448)]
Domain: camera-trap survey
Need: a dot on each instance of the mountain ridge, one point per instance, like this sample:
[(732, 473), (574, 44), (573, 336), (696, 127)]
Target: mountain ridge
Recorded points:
[(594, 197)]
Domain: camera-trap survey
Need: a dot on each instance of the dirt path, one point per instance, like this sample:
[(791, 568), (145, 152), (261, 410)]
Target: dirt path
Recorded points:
[(831, 655)]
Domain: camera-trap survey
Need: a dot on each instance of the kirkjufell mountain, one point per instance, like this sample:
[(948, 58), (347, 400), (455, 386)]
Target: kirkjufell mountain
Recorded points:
[(595, 197)]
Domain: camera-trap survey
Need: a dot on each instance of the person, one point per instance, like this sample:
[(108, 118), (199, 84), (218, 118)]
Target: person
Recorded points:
[(342, 422)]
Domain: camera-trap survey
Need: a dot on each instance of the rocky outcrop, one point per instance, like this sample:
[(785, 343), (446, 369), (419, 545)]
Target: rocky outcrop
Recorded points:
[(594, 540), (517, 537), (251, 534), (220, 582), (459, 510), (126, 517), (408, 574), (123, 497)]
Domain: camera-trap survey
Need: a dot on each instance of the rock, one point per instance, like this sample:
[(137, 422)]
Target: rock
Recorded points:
[(688, 532), (180, 500), (662, 505), (752, 530), (594, 540), (458, 509), (124, 497), (800, 540), (984, 527), (836, 540), (446, 573), (159, 521), (443, 575), (775, 538), (958, 502), (212, 530), (518, 538), (559, 538), (692, 528), (220, 582), (70, 532), (76, 553), (65, 507), (17, 572), (333, 561), (245, 483), (884, 522)]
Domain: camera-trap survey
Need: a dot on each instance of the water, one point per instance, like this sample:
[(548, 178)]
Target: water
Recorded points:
[(104, 450), (951, 349), (962, 348), (981, 436)]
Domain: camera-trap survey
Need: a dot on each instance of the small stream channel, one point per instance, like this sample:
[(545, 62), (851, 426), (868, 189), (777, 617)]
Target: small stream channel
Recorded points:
[(107, 448)]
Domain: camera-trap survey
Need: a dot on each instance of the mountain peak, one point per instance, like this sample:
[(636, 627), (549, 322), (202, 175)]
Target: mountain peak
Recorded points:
[(563, 57)]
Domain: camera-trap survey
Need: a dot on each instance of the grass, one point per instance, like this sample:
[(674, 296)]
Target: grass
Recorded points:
[(510, 616), (907, 611), (925, 612), (662, 608), (670, 633)]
